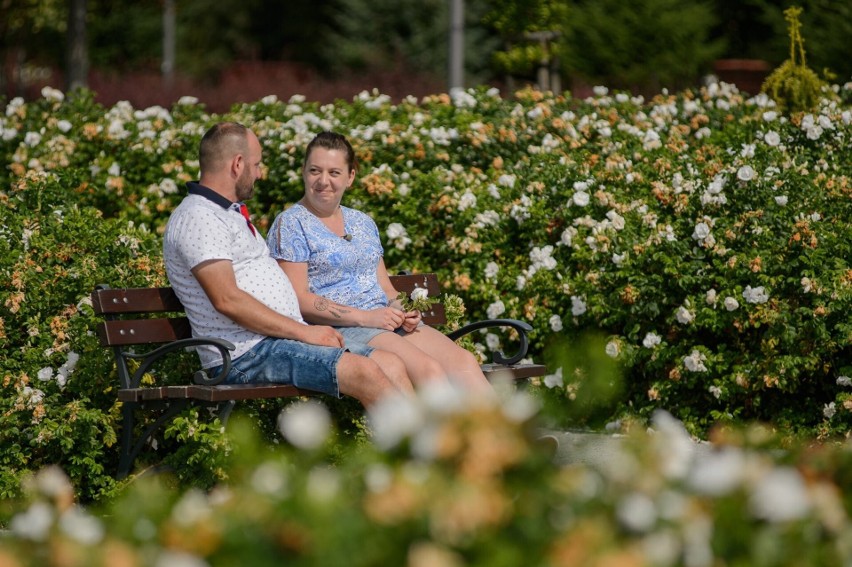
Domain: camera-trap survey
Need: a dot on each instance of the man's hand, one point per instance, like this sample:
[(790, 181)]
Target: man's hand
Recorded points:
[(322, 335)]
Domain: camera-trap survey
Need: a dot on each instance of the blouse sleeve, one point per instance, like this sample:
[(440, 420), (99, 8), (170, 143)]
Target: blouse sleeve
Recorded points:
[(287, 239)]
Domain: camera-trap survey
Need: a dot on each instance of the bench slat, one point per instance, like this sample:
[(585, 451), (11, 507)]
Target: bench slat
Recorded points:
[(143, 331), (135, 300), (220, 393)]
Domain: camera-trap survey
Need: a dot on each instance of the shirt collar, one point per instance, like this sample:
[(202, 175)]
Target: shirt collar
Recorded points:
[(195, 188)]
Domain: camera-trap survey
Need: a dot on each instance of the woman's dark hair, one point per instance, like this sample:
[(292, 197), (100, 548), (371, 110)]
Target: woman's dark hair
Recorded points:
[(333, 141)]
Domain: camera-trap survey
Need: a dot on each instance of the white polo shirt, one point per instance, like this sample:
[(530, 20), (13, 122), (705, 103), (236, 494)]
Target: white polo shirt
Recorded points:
[(200, 229)]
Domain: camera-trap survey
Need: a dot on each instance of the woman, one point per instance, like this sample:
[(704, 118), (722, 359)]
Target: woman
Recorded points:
[(333, 257)]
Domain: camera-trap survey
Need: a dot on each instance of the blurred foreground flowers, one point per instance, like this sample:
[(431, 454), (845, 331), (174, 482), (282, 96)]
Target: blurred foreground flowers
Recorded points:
[(448, 481)]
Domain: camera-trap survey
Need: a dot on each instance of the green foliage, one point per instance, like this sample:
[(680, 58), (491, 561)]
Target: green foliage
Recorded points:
[(395, 34), (793, 86), (704, 235), (646, 45), (513, 20)]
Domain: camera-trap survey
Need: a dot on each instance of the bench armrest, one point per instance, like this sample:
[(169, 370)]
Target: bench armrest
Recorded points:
[(499, 358), (152, 357)]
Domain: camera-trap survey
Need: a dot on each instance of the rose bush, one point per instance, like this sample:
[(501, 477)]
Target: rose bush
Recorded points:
[(704, 233)]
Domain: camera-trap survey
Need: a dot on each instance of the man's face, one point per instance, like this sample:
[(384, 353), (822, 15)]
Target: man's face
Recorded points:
[(251, 171)]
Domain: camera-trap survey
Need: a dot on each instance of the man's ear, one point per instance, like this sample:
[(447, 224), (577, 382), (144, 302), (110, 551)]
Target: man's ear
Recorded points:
[(237, 165)]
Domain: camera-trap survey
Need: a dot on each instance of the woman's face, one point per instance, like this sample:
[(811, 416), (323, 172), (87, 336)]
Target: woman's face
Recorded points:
[(326, 176)]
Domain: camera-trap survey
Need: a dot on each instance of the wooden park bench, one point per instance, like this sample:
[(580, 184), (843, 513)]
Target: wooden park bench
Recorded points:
[(145, 325)]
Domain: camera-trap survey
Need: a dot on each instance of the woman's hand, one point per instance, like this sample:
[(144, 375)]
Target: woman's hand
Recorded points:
[(388, 318), (412, 319)]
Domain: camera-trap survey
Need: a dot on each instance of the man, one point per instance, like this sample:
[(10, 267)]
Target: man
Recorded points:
[(231, 288)]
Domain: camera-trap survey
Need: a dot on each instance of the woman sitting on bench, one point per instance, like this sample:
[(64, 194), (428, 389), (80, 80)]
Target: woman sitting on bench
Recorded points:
[(333, 257)]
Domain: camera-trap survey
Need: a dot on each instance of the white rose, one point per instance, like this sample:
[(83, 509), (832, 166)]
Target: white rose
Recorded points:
[(651, 340), (731, 304), (684, 315), (495, 309), (581, 198), (555, 323), (578, 306)]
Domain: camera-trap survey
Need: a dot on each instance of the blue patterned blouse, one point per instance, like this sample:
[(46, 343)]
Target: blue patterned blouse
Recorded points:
[(341, 270)]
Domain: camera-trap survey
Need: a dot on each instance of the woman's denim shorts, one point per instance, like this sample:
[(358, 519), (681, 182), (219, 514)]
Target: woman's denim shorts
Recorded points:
[(285, 361), (360, 337)]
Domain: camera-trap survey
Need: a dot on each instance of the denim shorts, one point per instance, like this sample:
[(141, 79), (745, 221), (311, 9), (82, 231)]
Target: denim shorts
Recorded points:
[(360, 337), (285, 361)]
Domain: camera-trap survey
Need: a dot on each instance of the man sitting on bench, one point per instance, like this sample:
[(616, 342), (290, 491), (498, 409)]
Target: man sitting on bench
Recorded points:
[(231, 288)]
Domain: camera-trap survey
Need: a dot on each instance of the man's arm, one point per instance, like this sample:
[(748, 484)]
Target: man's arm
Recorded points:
[(220, 284), (318, 309)]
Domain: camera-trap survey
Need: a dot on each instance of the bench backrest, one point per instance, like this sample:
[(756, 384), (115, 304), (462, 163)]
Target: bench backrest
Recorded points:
[(119, 330), (127, 312)]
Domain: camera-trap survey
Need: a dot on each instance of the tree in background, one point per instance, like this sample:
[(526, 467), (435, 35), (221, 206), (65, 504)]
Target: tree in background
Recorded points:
[(514, 21), (643, 45), (411, 34)]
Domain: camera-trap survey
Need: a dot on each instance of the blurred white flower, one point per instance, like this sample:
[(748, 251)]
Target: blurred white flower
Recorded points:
[(674, 446), (492, 341), (755, 294), (555, 323), (32, 139), (781, 496), (745, 173), (495, 309), (772, 138), (419, 294), (651, 340), (35, 523), (306, 425), (64, 126), (701, 231), (467, 200), (269, 478), (45, 374), (613, 349), (398, 235), (829, 409), (506, 180), (710, 297), (844, 381), (619, 259), (807, 285), (81, 526), (169, 558), (394, 418), (52, 94), (554, 380), (581, 198), (781, 200), (187, 100), (769, 116), (719, 472), (578, 306), (616, 219), (695, 361), (731, 304), (636, 512), (684, 316), (716, 391), (491, 270)]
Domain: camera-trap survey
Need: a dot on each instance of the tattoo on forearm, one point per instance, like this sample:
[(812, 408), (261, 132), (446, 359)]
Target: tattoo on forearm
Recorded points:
[(323, 304)]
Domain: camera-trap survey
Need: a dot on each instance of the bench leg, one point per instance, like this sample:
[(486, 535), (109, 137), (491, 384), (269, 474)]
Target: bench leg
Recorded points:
[(225, 409), (128, 454)]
